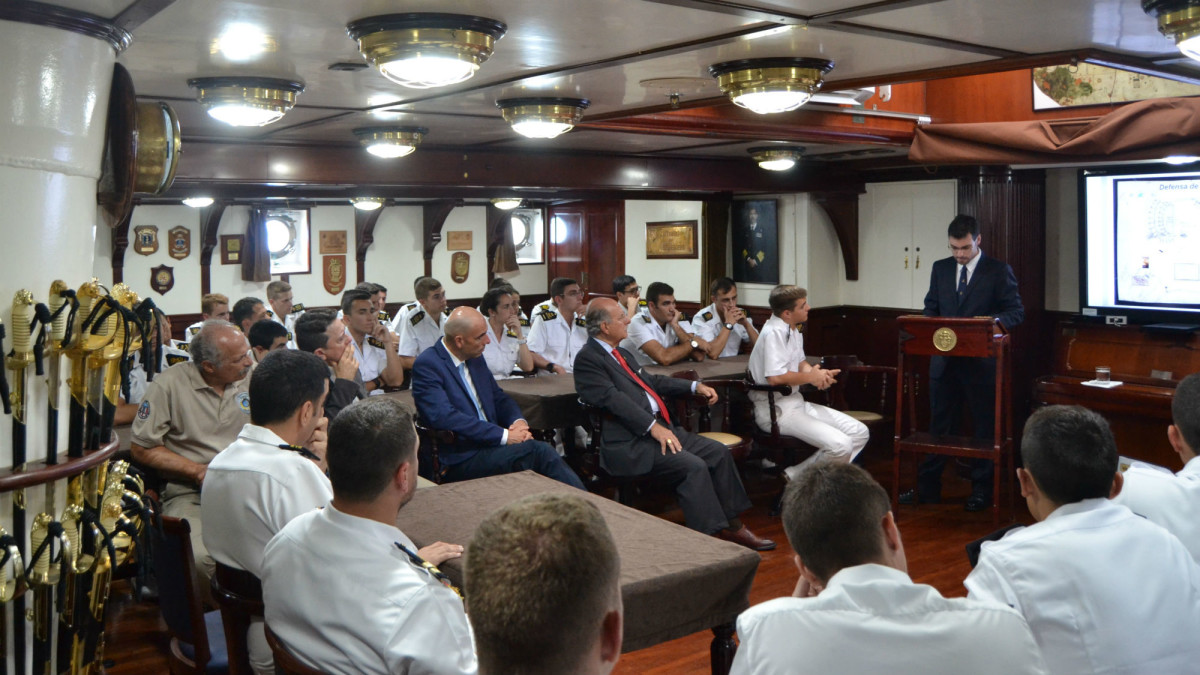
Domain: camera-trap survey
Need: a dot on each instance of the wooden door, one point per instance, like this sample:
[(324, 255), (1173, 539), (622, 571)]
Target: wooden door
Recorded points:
[(587, 243)]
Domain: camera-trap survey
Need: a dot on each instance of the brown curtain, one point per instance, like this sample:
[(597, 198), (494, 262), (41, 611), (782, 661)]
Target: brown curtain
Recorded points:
[(256, 257), (505, 258), (1144, 130)]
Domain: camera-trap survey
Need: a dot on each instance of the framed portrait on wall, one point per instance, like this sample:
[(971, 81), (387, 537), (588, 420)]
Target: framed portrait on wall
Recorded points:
[(755, 242)]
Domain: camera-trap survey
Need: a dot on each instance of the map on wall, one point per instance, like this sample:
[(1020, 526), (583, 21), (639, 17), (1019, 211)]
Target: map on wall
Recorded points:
[(1067, 86)]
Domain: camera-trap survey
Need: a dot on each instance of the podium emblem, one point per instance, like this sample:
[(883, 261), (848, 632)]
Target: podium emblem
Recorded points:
[(944, 339)]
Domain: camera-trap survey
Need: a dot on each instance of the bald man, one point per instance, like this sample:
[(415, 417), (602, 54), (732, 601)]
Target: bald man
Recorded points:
[(455, 391)]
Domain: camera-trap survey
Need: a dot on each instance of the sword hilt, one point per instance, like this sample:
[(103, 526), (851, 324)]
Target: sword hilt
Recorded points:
[(22, 317), (11, 566), (4, 377), (41, 542), (59, 294)]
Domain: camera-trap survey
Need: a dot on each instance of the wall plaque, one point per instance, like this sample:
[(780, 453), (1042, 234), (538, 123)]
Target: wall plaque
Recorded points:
[(460, 266), (162, 279), (179, 242), (675, 239), (231, 249), (459, 240), (333, 241), (333, 273), (145, 239)]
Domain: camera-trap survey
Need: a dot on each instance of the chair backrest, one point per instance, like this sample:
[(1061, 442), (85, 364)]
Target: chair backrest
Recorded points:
[(430, 439), (285, 662), (239, 595), (684, 406), (178, 598)]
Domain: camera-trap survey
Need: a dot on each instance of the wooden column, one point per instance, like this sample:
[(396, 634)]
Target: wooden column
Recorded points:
[(210, 221), (364, 236), (433, 217), (842, 208), (714, 231)]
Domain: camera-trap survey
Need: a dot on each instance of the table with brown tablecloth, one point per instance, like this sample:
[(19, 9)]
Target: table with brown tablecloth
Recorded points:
[(546, 402), (729, 367), (674, 581)]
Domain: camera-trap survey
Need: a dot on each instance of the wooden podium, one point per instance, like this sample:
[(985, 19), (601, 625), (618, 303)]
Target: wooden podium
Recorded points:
[(979, 337)]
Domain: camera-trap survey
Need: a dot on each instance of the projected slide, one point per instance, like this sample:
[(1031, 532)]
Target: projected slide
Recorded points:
[(1157, 251)]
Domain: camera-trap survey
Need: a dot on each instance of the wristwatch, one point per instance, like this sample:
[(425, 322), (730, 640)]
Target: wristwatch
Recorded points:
[(695, 345), (728, 326), (522, 341)]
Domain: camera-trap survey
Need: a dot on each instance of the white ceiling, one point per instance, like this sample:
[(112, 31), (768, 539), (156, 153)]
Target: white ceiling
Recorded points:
[(595, 49)]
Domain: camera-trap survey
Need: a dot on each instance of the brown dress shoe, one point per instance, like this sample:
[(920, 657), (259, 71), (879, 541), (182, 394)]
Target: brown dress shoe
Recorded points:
[(748, 539)]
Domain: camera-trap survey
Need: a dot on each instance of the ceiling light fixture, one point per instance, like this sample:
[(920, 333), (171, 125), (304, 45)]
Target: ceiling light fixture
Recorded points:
[(1178, 160), (198, 202), (506, 203), (367, 203), (426, 50), (770, 85), (390, 142), (542, 117), (776, 157), (246, 101), (1179, 19)]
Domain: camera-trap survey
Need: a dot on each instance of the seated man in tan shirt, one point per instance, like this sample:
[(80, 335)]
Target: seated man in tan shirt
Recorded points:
[(192, 411)]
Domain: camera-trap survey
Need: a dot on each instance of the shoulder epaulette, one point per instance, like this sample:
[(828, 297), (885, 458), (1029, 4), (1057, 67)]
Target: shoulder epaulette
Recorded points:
[(374, 342), (384, 316), (411, 305), (642, 303), (646, 318), (296, 309), (184, 346), (192, 330), (446, 312), (683, 317), (525, 322), (511, 334), (579, 321), (416, 317), (173, 359), (270, 314), (707, 316), (291, 338), (548, 315)]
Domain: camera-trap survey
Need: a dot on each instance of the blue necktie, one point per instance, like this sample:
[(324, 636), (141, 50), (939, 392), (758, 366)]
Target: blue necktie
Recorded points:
[(962, 282), (462, 372)]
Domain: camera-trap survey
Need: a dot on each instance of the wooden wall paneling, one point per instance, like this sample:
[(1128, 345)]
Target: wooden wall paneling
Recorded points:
[(995, 97), (842, 208), (714, 233), (210, 222), (564, 246), (433, 219), (364, 236), (120, 242), (605, 245)]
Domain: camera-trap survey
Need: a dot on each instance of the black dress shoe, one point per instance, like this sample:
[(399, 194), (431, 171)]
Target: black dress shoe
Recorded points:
[(910, 497), (978, 502)]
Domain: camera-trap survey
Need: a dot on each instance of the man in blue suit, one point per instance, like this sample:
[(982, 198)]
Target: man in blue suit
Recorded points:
[(455, 391), (966, 284)]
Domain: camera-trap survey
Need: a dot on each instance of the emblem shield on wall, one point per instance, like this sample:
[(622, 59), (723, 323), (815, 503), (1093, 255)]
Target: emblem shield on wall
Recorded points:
[(162, 279), (145, 239), (179, 242), (333, 273), (460, 266)]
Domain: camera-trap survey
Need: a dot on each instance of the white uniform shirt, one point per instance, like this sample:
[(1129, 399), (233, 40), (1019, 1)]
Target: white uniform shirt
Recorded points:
[(137, 374), (778, 351), (343, 598), (643, 328), (190, 331), (372, 359), (874, 619), (1103, 590), (708, 325), (420, 331), (501, 352), (555, 337), (252, 489), (289, 322), (402, 315), (1171, 501)]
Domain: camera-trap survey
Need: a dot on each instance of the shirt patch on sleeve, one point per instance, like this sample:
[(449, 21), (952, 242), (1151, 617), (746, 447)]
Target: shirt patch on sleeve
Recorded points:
[(579, 321), (144, 410), (243, 401)]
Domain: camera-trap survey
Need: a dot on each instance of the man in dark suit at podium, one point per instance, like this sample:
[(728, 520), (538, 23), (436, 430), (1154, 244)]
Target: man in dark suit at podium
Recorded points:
[(966, 284)]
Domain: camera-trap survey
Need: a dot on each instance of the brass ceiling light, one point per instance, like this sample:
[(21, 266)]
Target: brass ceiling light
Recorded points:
[(1179, 19), (771, 85), (426, 50), (246, 101), (367, 203), (506, 203), (198, 202), (776, 157), (542, 117), (390, 142)]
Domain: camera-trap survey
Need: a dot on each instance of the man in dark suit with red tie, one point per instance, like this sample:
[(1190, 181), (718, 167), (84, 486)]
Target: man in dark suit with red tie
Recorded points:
[(642, 439), (964, 285), (454, 391)]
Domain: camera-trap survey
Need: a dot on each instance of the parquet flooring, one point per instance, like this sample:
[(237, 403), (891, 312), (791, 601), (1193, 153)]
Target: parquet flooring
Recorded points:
[(934, 538)]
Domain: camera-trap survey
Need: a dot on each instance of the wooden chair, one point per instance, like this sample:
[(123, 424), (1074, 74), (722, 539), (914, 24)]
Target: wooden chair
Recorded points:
[(739, 446), (866, 393), (197, 638), (430, 440), (239, 595), (285, 662)]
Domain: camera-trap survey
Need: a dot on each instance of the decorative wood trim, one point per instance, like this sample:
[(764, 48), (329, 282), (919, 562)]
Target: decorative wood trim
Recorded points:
[(364, 236), (210, 222), (63, 18), (714, 232), (433, 219), (120, 242), (842, 209), (139, 12)]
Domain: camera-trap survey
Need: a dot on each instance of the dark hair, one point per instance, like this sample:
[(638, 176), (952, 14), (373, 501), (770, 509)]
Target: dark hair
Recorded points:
[(1185, 410), (350, 296), (283, 382), (368, 287), (721, 285), (264, 332), (656, 290), (380, 288), (559, 286), (425, 286), (498, 282), (621, 282), (832, 514), (541, 574), (310, 329), (243, 309), (491, 299), (784, 297), (1070, 452), (368, 442), (963, 225)]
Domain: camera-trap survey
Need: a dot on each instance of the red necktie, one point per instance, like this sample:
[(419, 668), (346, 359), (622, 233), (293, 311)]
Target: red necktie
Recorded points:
[(662, 409)]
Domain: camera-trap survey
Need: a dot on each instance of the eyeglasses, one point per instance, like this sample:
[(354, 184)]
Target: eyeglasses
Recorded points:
[(633, 291)]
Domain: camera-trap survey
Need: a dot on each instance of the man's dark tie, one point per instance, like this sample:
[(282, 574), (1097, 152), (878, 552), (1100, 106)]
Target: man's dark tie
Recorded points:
[(662, 409), (962, 282)]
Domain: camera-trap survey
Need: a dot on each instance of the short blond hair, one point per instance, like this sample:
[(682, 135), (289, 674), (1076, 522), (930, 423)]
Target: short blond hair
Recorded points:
[(210, 301), (276, 289), (785, 297)]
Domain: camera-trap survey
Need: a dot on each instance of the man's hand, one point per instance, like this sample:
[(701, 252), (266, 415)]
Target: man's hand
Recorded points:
[(559, 370), (707, 392), (439, 552), (383, 334), (347, 366), (318, 441), (199, 473), (829, 378), (804, 589), (519, 436), (519, 425), (735, 315), (752, 262), (666, 439), (514, 324), (631, 305)]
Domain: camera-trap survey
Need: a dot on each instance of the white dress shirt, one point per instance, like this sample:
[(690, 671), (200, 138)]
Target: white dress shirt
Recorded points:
[(138, 381), (343, 598), (778, 351), (372, 359), (874, 619), (289, 324), (1104, 591), (555, 337), (643, 328), (1172, 501), (501, 352), (971, 265), (419, 331), (708, 325)]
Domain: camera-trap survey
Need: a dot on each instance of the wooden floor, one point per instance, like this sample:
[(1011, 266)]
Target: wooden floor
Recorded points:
[(934, 538)]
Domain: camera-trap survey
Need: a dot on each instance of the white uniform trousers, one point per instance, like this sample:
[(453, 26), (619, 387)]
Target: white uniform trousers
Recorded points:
[(836, 435)]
